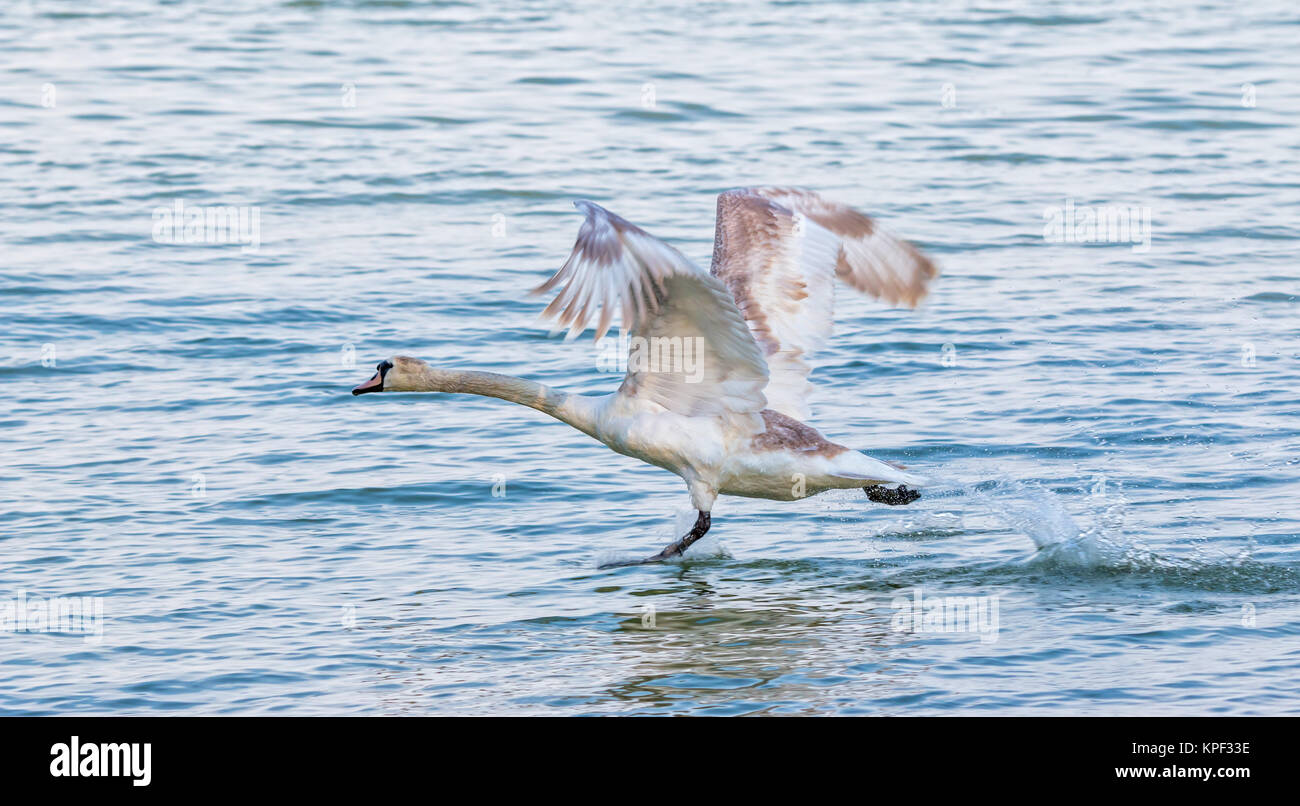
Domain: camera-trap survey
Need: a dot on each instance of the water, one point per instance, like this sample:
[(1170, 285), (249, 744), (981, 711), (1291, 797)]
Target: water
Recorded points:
[(1114, 431)]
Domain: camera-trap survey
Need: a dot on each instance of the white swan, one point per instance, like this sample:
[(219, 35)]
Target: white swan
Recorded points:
[(717, 382)]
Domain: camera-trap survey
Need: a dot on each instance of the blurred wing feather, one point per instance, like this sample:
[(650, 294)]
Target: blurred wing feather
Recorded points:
[(690, 350), (779, 250)]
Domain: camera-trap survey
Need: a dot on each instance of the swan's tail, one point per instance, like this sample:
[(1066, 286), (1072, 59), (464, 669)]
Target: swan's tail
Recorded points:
[(858, 467)]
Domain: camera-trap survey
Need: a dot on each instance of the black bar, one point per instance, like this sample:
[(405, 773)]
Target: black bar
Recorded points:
[(225, 755)]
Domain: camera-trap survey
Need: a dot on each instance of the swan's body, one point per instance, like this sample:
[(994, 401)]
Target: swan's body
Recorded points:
[(731, 424), (786, 461)]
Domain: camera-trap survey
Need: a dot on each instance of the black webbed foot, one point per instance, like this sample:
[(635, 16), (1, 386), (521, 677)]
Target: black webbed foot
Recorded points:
[(896, 497)]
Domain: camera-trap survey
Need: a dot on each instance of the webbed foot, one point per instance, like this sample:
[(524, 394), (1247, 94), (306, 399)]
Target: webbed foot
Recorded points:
[(895, 497)]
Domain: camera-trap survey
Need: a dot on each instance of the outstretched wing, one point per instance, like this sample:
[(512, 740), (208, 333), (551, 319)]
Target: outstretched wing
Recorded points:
[(689, 348), (779, 251)]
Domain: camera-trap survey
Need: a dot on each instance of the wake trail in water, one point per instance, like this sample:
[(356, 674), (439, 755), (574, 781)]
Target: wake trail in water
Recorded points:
[(1041, 515), (1094, 541)]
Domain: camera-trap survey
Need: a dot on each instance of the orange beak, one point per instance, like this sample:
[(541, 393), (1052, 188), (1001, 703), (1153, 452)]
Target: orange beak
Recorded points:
[(375, 384)]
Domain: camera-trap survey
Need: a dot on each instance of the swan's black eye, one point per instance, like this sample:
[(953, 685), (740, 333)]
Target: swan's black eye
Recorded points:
[(384, 366)]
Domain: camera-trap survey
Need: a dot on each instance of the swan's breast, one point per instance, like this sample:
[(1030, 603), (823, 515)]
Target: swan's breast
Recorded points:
[(684, 445)]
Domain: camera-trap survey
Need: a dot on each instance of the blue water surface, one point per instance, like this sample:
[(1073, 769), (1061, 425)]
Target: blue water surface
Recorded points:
[(1113, 429)]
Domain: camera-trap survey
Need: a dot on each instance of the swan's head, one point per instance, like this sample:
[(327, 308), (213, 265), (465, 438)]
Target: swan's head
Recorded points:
[(397, 374)]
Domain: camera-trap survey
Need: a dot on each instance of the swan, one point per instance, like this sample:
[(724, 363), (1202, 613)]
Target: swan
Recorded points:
[(716, 388)]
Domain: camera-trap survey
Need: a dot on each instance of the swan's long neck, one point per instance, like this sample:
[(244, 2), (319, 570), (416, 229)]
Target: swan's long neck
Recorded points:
[(576, 410)]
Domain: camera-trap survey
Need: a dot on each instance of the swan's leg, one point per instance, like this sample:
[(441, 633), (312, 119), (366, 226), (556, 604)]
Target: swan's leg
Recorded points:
[(675, 549), (883, 495), (702, 524)]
